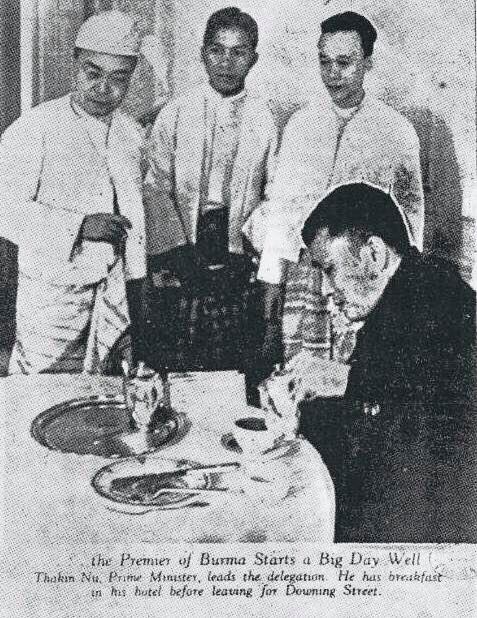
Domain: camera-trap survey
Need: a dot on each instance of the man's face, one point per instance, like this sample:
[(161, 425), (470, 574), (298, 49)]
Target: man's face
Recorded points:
[(343, 67), (228, 58), (102, 81), (348, 274)]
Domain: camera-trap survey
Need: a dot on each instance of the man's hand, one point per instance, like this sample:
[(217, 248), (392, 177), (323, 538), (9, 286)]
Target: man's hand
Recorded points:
[(105, 227), (318, 377)]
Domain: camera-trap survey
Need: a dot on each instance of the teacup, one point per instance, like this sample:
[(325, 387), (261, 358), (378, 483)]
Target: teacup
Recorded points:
[(253, 436)]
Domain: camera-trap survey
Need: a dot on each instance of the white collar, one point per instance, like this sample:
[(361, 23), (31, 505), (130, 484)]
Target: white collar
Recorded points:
[(220, 100), (79, 111), (98, 130), (346, 113)]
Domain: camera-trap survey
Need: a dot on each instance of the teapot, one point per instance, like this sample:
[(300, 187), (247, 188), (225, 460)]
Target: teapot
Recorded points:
[(144, 392)]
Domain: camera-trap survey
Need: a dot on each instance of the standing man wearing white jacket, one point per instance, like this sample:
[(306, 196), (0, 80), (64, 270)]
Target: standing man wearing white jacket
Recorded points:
[(349, 137), (70, 193), (209, 161)]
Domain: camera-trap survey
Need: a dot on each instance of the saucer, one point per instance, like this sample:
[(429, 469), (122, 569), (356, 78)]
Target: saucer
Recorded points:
[(281, 448)]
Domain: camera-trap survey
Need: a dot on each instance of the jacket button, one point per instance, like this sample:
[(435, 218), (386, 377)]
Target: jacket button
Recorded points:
[(371, 409), (375, 409)]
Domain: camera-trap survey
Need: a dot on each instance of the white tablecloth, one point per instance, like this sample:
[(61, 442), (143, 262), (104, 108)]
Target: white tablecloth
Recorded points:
[(49, 499)]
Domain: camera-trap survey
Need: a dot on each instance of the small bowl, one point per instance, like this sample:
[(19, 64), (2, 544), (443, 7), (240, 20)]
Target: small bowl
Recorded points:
[(253, 436)]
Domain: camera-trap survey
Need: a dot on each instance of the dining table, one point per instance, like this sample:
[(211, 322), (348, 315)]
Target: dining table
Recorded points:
[(49, 498)]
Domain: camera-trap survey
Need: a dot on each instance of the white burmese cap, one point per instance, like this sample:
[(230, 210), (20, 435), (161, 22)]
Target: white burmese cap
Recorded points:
[(110, 32)]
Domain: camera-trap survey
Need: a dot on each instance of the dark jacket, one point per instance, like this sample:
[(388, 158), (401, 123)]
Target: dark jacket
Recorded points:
[(401, 444), (417, 344)]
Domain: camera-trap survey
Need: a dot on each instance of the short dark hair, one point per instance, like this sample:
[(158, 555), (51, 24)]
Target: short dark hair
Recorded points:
[(349, 22), (359, 210), (231, 17)]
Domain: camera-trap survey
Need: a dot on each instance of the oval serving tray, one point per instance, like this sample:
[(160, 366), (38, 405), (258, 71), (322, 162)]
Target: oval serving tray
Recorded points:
[(100, 425)]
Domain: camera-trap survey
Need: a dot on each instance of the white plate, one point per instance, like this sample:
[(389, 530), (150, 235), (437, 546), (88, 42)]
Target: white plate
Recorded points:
[(105, 483)]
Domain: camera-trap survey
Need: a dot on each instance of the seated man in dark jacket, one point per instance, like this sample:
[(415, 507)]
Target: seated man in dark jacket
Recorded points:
[(395, 425)]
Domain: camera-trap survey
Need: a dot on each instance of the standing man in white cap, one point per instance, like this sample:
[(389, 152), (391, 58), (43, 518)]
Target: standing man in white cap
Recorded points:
[(70, 188)]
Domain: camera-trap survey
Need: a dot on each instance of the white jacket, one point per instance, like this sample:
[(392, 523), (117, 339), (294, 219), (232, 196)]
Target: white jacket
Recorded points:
[(51, 176), (378, 145), (175, 184)]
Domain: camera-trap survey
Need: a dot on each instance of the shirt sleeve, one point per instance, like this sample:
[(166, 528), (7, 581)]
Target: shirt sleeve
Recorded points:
[(161, 213), (25, 221), (255, 226), (280, 219)]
